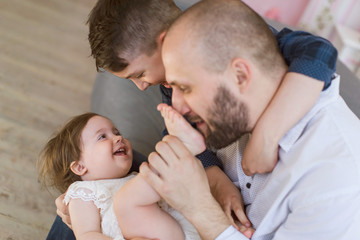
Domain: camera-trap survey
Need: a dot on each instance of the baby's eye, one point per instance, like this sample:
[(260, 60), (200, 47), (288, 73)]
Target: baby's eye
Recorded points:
[(102, 136)]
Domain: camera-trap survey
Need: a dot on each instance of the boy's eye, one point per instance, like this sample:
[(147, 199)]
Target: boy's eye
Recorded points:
[(116, 132), (140, 75)]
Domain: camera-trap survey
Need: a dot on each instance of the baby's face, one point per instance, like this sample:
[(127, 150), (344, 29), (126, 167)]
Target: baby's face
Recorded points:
[(105, 153)]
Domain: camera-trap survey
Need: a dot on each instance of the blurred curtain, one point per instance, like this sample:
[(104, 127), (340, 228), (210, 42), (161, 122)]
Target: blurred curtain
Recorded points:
[(320, 16)]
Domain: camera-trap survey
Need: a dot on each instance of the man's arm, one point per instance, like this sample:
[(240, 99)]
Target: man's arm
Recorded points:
[(171, 170), (312, 62)]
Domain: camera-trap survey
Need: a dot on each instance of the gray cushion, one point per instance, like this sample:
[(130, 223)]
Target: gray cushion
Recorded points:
[(132, 111)]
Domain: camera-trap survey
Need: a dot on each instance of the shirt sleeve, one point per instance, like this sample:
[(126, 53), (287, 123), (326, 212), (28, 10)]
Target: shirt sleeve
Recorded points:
[(207, 158), (307, 54)]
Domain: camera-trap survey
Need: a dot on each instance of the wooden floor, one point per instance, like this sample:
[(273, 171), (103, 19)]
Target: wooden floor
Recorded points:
[(46, 76)]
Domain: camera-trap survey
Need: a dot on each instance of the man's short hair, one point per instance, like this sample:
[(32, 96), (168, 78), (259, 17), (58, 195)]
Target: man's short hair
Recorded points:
[(224, 29), (120, 30)]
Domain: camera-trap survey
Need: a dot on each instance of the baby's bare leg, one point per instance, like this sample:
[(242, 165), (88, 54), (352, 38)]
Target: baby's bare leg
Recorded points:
[(179, 127), (139, 215)]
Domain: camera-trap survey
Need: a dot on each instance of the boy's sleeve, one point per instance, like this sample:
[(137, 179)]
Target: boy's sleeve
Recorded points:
[(307, 54), (207, 158)]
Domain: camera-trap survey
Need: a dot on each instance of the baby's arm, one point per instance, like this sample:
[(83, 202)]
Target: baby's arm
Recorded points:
[(86, 221), (139, 215), (312, 62)]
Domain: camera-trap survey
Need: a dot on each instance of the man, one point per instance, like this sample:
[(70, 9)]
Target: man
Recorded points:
[(223, 83)]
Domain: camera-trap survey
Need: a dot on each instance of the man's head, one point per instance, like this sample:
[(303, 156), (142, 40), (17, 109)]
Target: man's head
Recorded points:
[(224, 65), (126, 36)]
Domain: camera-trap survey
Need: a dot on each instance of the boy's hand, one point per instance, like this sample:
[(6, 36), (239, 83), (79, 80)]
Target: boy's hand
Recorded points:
[(63, 210), (228, 196), (260, 155), (247, 231)]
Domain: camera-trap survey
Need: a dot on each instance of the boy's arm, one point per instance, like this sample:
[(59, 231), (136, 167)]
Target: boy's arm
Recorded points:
[(86, 221), (312, 62), (230, 199)]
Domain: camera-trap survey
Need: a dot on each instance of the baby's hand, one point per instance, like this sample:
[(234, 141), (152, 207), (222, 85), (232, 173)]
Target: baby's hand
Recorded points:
[(260, 155), (63, 210)]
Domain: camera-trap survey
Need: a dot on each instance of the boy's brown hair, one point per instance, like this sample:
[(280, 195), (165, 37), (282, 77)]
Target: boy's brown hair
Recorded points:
[(120, 30), (65, 147)]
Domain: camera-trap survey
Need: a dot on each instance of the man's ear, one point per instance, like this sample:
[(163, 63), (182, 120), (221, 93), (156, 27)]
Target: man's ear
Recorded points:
[(78, 168), (242, 72)]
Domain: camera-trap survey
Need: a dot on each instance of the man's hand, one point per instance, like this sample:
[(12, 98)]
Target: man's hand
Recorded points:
[(230, 199), (62, 210), (180, 179), (260, 154), (172, 170)]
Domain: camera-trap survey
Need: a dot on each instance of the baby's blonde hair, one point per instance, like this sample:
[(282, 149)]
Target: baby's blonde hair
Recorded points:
[(60, 151)]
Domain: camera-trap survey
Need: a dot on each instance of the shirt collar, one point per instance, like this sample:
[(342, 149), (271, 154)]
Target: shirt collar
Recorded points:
[(326, 97)]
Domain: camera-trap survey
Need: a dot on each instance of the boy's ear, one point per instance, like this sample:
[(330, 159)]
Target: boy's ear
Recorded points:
[(242, 72), (161, 37), (78, 168)]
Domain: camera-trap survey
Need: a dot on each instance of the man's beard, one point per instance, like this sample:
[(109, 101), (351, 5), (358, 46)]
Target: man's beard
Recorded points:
[(228, 118)]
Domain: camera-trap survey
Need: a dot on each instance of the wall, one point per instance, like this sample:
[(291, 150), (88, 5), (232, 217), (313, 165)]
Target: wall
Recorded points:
[(284, 11)]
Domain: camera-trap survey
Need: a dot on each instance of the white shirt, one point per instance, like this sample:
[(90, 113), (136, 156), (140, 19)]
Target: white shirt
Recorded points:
[(314, 190)]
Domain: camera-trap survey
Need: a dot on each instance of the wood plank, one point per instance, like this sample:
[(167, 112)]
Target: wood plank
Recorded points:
[(46, 77)]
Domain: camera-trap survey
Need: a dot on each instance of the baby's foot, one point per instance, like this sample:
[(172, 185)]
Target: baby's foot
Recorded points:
[(179, 127)]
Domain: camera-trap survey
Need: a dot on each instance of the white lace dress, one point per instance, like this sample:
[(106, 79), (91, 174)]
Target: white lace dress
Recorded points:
[(102, 192)]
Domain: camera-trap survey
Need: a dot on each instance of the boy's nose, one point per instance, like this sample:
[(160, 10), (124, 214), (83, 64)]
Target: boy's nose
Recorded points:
[(142, 85)]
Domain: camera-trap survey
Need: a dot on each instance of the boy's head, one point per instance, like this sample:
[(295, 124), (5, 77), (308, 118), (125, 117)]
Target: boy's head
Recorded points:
[(121, 31), (88, 147)]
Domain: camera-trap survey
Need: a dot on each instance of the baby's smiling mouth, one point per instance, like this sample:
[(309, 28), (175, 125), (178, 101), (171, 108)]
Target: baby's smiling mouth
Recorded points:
[(120, 152)]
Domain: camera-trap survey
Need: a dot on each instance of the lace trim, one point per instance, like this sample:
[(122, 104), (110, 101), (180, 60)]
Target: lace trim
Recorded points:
[(88, 191)]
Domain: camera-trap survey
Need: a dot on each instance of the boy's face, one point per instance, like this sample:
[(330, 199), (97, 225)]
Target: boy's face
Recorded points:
[(105, 153), (145, 71)]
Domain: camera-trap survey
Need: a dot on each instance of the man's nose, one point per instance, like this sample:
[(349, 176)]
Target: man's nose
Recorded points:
[(179, 103)]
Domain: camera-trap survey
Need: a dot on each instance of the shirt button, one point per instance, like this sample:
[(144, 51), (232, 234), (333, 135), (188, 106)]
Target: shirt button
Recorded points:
[(248, 185)]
